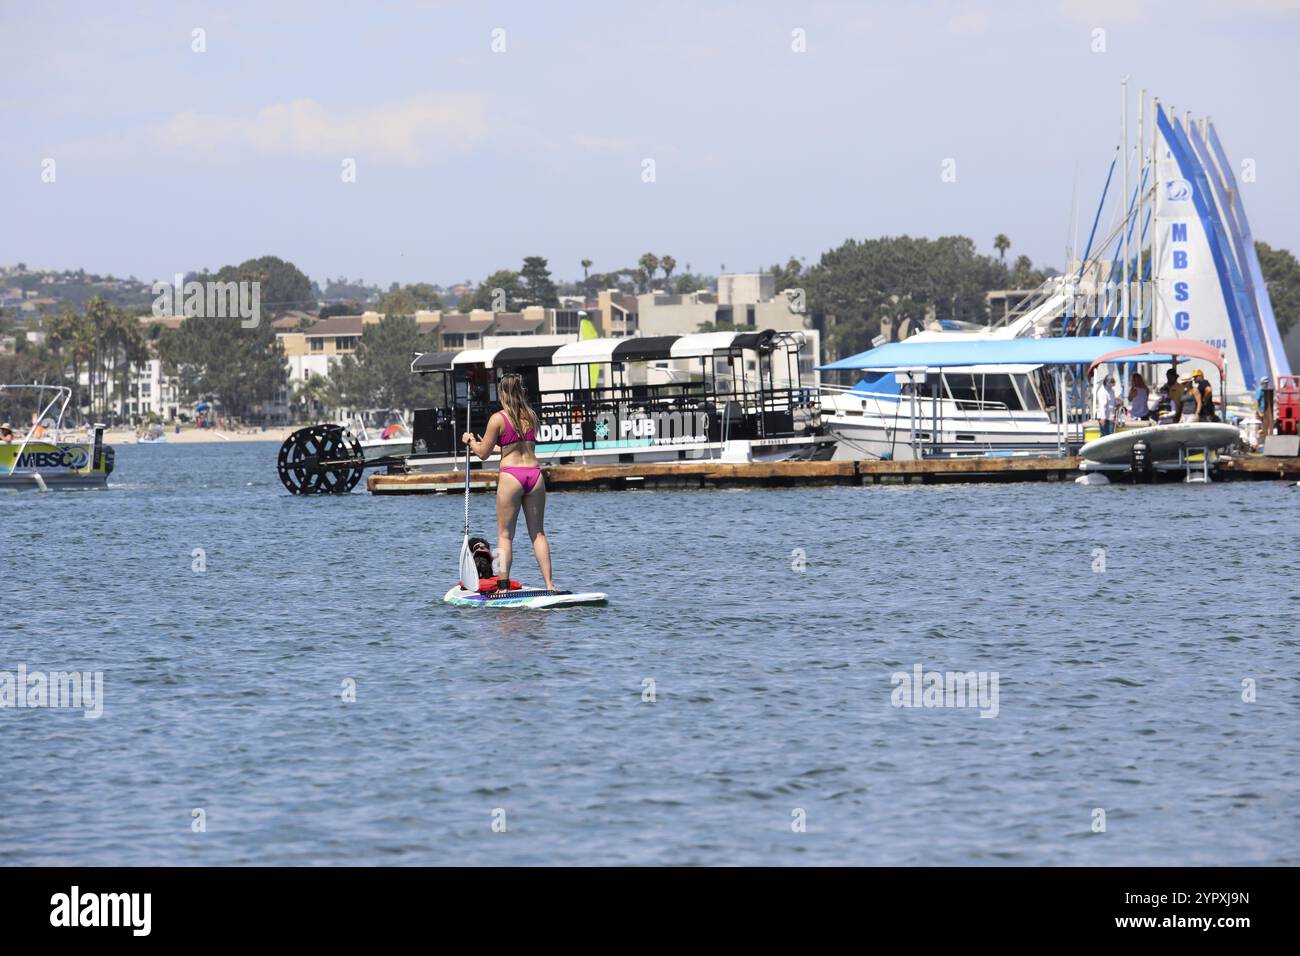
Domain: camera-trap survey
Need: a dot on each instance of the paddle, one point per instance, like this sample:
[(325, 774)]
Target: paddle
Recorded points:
[(468, 570)]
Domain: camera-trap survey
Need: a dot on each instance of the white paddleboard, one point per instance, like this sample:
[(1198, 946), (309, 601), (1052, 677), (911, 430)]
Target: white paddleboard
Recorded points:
[(1163, 441), (524, 597)]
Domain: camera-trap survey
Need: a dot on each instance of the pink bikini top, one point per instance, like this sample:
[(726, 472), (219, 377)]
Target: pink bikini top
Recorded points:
[(509, 436)]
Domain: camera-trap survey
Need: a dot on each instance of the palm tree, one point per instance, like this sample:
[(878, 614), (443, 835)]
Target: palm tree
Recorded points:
[(586, 264), (668, 264), (1001, 243), (650, 264), (313, 395), (96, 326)]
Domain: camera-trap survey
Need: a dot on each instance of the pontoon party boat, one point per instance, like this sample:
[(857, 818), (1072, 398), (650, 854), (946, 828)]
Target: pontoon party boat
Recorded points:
[(35, 457)]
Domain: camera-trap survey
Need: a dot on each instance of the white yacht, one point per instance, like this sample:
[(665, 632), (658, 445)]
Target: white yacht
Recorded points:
[(963, 395)]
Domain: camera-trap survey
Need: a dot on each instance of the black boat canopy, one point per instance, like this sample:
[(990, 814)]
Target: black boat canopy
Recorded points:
[(603, 351)]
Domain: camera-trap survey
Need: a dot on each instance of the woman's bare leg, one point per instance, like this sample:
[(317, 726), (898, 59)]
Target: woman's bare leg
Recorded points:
[(510, 494), (535, 517)]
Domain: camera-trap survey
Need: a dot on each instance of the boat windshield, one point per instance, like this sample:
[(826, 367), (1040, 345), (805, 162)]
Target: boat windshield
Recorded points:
[(1028, 397), (990, 391)]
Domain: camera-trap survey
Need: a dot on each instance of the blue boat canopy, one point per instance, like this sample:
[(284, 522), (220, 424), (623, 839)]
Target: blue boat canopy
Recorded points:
[(1069, 350)]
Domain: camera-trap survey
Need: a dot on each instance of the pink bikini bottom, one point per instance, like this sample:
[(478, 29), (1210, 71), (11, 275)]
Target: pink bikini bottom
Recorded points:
[(527, 477)]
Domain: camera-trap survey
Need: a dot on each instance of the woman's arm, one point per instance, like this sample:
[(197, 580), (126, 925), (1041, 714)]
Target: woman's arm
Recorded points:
[(488, 444)]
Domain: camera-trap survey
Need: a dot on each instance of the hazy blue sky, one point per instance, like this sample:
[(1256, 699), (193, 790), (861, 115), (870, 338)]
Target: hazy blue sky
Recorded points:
[(468, 160)]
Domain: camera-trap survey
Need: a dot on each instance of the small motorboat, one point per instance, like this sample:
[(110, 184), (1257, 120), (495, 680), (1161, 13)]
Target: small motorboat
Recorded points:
[(382, 432), (40, 459)]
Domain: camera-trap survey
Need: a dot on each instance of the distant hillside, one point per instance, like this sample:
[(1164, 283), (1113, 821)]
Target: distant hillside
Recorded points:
[(30, 292)]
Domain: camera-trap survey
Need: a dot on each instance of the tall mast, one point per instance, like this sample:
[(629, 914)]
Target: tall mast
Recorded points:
[(1142, 168), (1125, 222), (1155, 217)]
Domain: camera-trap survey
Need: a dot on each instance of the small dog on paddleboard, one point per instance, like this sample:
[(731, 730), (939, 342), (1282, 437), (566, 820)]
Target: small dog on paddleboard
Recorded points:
[(487, 579)]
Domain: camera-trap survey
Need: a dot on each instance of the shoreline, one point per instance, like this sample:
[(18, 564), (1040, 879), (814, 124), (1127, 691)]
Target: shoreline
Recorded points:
[(205, 436)]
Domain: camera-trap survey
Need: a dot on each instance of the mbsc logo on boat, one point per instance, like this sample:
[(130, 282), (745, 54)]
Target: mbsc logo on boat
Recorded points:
[(64, 456)]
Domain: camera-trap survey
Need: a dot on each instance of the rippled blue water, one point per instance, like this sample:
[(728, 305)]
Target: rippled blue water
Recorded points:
[(1120, 691)]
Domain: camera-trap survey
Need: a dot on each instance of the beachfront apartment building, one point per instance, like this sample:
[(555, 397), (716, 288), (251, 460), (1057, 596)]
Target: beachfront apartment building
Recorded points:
[(743, 301), (314, 346), (152, 392)]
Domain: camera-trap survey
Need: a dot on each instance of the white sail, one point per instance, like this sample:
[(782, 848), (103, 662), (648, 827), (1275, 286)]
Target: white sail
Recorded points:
[(1198, 288), (1233, 212)]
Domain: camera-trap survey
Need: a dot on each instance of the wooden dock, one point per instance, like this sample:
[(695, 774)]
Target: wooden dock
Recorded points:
[(1259, 467), (719, 474), (785, 474)]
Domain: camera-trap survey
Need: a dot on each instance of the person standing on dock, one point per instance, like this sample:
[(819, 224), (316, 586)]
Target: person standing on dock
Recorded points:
[(1139, 398), (1110, 407), (520, 483), (1189, 405), (1205, 410)]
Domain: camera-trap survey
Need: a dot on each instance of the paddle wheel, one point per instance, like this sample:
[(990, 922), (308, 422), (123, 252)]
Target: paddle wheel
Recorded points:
[(323, 460)]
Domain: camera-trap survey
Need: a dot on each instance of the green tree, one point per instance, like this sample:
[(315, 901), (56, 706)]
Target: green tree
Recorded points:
[(689, 282), (72, 342), (539, 288), (668, 264), (1001, 243), (586, 264), (216, 358), (861, 281), (411, 299), (483, 297), (125, 349), (312, 397), (283, 286), (1282, 278), (787, 276), (340, 308), (378, 373), (649, 265)]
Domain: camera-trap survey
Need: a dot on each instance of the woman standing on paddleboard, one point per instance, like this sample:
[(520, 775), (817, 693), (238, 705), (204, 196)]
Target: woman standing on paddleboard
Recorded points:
[(520, 483)]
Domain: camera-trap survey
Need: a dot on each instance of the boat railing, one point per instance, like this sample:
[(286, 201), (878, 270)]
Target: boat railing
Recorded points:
[(62, 395)]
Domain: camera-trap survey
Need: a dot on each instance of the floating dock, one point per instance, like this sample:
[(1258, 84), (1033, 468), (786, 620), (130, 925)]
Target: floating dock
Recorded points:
[(720, 474)]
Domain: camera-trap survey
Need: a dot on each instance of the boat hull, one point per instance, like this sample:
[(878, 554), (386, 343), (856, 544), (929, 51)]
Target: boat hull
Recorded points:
[(380, 448), (867, 437), (54, 465)]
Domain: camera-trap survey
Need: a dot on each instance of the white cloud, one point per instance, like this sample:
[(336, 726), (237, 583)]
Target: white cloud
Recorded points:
[(407, 132)]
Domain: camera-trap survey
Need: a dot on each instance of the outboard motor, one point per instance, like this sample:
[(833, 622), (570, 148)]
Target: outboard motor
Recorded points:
[(1140, 463), (97, 456)]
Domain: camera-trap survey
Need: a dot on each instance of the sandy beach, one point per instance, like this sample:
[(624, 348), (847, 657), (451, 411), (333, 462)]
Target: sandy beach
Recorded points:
[(197, 436)]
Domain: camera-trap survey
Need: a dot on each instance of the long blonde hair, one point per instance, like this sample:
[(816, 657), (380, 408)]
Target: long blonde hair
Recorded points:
[(514, 402)]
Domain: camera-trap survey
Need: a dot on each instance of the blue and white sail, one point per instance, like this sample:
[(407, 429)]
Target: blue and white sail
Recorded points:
[(1207, 280), (1234, 213)]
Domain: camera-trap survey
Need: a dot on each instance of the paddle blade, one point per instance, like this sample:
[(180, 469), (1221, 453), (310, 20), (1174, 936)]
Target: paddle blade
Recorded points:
[(468, 570)]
